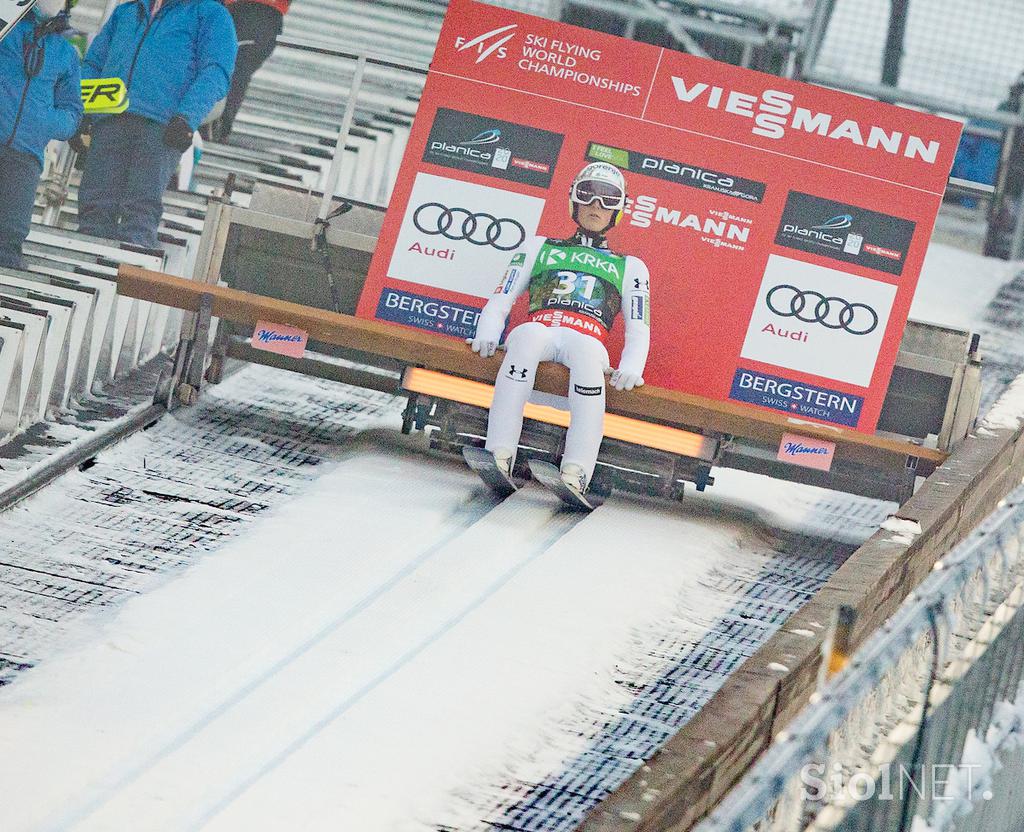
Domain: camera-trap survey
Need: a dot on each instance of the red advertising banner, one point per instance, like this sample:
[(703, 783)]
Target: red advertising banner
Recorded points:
[(783, 225)]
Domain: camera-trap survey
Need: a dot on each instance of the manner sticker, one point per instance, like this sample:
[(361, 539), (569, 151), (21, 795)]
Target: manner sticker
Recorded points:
[(280, 339), (807, 452)]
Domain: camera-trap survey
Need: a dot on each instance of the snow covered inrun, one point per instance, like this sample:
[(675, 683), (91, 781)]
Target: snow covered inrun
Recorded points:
[(157, 502), (274, 612), (393, 634)]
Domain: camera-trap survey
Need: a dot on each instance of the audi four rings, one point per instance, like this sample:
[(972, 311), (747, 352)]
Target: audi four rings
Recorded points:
[(479, 229), (846, 315)]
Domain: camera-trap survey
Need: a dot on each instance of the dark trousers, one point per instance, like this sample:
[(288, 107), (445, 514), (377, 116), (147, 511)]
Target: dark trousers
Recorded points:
[(126, 170), (257, 26), (19, 177)]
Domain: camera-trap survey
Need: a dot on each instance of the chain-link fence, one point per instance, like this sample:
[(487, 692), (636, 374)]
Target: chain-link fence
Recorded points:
[(967, 54), (913, 733), (952, 58)]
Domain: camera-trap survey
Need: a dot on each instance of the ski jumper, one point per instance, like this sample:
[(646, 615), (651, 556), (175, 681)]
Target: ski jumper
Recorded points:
[(577, 287)]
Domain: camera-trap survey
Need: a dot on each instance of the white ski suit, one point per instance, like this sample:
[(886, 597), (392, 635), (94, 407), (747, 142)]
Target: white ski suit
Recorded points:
[(577, 287)]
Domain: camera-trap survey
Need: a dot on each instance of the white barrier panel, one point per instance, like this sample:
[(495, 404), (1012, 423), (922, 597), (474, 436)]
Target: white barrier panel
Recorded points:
[(65, 331), (31, 405), (12, 337), (82, 300), (55, 361)]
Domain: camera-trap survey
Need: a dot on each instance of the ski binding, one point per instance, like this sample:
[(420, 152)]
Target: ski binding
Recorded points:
[(550, 477), (483, 463)]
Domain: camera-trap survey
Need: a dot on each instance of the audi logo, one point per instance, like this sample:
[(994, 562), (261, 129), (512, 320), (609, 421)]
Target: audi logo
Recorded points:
[(829, 311), (480, 229)]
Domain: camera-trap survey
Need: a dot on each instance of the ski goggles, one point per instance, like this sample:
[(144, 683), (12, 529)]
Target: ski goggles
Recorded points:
[(608, 195)]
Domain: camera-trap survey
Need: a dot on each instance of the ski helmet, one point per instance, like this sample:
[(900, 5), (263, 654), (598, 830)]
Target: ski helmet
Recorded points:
[(50, 9), (602, 182)]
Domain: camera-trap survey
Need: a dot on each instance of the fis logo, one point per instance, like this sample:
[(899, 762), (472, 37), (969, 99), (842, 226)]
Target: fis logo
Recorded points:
[(489, 43)]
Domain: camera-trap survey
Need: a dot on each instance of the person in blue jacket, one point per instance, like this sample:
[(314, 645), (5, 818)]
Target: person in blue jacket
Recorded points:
[(176, 57), (40, 100)]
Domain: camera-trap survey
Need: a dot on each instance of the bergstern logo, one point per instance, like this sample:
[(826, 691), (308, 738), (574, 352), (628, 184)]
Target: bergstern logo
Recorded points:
[(488, 43), (774, 111)]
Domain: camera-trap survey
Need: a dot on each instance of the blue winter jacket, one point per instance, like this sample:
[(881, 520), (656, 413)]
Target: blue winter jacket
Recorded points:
[(178, 62), (48, 106)]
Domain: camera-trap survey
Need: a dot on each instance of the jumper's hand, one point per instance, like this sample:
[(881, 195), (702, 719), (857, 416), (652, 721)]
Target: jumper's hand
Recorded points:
[(485, 346), (623, 379)]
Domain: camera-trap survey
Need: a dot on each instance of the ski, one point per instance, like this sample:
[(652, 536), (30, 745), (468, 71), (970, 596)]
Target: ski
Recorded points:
[(11, 13), (483, 463), (549, 476)]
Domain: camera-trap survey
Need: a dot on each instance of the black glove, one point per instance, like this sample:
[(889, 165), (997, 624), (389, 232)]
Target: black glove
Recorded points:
[(81, 140), (178, 134)]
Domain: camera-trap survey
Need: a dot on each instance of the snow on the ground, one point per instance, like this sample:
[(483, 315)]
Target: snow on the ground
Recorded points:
[(390, 649), (1008, 411), (905, 531), (955, 286), (342, 661)]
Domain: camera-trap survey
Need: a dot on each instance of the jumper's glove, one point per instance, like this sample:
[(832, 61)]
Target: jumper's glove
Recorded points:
[(624, 379), (178, 134), (483, 345), (82, 139)]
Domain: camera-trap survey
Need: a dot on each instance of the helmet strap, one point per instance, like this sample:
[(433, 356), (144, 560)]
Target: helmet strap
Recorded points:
[(589, 238)]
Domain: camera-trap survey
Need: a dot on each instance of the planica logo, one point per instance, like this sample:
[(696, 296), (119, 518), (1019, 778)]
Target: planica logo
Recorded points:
[(813, 233), (690, 172), (836, 223), (471, 147), (484, 137)]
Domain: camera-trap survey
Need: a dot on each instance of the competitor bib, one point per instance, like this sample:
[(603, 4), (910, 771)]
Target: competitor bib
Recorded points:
[(577, 281)]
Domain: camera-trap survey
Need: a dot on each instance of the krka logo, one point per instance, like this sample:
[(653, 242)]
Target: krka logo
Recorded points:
[(584, 260), (594, 261)]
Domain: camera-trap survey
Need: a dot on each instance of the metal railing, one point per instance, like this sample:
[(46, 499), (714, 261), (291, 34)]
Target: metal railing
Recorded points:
[(867, 754), (362, 61)]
